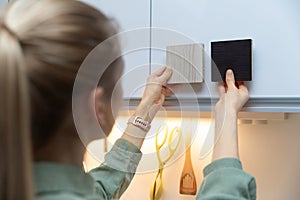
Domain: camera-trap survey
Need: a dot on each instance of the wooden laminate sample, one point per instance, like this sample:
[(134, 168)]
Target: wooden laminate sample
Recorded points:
[(187, 63), (235, 55)]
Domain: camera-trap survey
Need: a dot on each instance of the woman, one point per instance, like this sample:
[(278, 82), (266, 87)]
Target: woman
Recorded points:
[(42, 45)]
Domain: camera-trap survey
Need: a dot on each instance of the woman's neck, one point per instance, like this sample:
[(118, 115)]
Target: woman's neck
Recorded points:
[(64, 147), (61, 149)]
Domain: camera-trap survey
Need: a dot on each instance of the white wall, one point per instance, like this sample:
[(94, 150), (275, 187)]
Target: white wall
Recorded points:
[(269, 152), (272, 154)]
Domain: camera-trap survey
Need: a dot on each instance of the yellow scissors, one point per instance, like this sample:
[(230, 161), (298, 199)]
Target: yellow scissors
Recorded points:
[(157, 188)]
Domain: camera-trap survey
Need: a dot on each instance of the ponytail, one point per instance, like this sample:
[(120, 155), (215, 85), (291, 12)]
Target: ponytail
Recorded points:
[(39, 60), (15, 137)]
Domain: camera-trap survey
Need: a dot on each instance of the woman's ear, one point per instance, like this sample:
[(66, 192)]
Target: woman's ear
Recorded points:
[(103, 110), (100, 107)]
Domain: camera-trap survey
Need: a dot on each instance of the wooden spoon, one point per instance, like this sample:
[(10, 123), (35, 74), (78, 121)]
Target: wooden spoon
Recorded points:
[(188, 183)]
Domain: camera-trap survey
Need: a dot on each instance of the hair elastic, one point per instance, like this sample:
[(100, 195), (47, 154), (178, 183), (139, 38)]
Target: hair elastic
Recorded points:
[(4, 26)]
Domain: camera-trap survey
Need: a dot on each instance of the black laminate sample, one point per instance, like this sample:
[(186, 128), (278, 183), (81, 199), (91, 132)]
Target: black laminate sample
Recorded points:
[(233, 54)]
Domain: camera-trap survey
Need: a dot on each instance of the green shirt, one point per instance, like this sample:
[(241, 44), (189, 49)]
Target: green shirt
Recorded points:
[(224, 178), (65, 182)]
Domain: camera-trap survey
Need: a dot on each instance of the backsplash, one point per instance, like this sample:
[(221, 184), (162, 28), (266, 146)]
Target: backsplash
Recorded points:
[(270, 152)]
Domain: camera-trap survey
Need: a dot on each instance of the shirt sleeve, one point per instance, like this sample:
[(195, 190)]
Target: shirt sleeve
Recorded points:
[(224, 179), (115, 174)]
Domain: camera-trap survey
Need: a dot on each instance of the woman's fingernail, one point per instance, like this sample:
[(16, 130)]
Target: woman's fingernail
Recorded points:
[(229, 72), (169, 68)]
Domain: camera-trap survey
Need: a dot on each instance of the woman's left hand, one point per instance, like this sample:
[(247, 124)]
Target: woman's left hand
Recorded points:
[(156, 90), (155, 93)]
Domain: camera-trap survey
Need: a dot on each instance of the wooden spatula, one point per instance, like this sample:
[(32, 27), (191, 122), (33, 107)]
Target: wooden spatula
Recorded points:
[(188, 183)]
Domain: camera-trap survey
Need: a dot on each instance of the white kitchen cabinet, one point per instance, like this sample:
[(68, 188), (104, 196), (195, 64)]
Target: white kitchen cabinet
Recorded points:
[(2, 2), (132, 17), (273, 27)]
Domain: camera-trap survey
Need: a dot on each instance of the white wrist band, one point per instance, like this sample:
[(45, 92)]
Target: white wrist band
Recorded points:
[(139, 122)]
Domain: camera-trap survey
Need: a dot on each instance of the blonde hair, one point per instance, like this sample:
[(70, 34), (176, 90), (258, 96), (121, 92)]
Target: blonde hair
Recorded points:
[(42, 44)]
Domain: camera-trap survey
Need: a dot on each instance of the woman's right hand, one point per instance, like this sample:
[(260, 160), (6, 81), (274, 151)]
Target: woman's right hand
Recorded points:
[(232, 98)]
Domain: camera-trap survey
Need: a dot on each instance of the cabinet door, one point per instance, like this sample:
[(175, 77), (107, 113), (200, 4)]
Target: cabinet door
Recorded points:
[(132, 19), (2, 2), (272, 25)]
